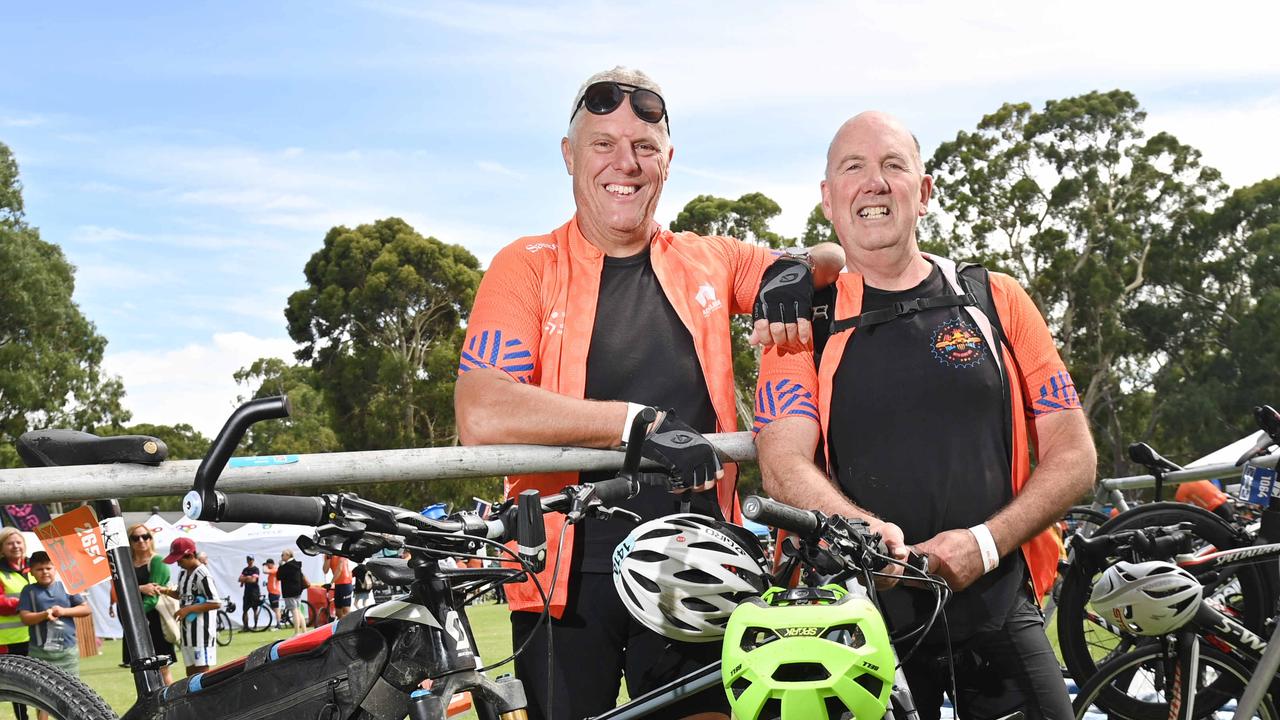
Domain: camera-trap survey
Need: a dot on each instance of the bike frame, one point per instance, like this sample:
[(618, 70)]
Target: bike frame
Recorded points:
[(1212, 626)]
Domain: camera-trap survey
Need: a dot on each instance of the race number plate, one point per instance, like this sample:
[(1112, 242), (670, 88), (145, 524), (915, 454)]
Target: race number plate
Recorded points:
[(1257, 485)]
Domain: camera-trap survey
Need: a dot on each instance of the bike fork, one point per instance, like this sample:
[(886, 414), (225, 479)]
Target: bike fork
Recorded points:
[(1186, 673)]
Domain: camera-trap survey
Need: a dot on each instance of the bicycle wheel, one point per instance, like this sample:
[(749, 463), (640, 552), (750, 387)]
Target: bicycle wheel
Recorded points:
[(1080, 520), (224, 628), (260, 618), (30, 682), (1144, 674), (1085, 639), (308, 612)]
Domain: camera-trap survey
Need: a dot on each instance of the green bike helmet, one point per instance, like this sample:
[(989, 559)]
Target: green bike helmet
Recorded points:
[(807, 653)]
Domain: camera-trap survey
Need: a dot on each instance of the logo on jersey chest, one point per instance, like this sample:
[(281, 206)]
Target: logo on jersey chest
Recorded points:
[(958, 344)]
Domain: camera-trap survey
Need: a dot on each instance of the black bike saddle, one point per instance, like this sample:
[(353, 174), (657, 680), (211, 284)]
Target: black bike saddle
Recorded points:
[(53, 447)]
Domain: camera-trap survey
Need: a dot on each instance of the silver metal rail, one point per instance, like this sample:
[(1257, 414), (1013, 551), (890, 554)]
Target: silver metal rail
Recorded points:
[(1108, 490), (94, 482)]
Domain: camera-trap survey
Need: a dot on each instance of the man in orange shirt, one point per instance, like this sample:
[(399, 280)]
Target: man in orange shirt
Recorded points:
[(343, 583), (273, 587), (926, 409), (572, 334)]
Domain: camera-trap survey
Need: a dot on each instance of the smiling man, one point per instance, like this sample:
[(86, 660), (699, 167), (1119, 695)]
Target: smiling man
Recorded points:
[(572, 334), (928, 407)]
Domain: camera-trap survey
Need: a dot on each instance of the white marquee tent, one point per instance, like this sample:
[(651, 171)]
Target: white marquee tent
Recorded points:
[(226, 550)]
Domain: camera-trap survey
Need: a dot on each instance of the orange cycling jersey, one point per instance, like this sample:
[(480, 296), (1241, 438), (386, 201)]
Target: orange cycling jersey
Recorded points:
[(341, 569), (533, 318), (1202, 493), (791, 386), (273, 585)]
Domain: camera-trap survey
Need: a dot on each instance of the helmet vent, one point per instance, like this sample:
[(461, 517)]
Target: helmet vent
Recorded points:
[(1165, 592), (739, 686), (659, 533), (648, 556), (772, 710), (850, 635), (836, 709), (1180, 606), (644, 582), (695, 575), (870, 683), (755, 637), (713, 546), (800, 672), (699, 605)]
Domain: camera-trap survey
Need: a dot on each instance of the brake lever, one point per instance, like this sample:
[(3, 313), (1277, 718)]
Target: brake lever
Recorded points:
[(606, 512)]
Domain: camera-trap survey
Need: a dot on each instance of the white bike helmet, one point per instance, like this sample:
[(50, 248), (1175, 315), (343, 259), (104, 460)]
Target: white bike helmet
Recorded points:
[(682, 575), (1148, 598)]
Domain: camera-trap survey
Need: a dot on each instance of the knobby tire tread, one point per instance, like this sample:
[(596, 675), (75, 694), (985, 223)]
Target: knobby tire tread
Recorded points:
[(31, 682)]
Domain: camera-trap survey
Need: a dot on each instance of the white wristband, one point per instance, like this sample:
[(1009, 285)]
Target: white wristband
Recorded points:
[(986, 546), (633, 409)]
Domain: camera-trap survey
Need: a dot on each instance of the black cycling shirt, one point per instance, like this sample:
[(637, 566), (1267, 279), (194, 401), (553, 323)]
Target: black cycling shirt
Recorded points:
[(917, 437), (252, 587), (290, 577), (641, 352)]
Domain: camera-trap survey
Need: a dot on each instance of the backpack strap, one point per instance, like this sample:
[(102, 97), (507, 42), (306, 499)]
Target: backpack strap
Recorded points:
[(976, 281), (901, 309)]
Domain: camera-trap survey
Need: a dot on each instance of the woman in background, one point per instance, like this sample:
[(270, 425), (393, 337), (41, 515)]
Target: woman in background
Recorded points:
[(14, 636), (152, 575)]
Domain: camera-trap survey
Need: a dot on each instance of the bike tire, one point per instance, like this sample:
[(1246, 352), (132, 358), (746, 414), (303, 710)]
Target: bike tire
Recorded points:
[(308, 612), (260, 618), (1084, 641), (27, 681), (1230, 677), (224, 630), (1081, 520)]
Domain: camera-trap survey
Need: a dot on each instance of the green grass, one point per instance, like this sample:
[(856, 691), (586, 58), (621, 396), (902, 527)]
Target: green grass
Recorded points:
[(115, 684)]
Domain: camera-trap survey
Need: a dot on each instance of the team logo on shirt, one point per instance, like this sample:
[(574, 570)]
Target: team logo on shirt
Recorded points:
[(706, 297), (958, 344)]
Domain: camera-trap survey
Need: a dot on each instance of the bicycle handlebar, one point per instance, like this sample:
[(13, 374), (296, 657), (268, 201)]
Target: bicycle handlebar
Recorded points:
[(281, 509), (1153, 543), (780, 515), (203, 502)]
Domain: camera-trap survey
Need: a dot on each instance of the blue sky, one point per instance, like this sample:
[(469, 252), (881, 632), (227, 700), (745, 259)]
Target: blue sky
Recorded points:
[(189, 157)]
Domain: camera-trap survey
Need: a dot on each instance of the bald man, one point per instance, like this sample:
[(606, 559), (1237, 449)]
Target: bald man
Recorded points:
[(929, 408)]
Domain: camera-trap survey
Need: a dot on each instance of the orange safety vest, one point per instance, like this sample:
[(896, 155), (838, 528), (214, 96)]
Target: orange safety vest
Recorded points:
[(706, 279)]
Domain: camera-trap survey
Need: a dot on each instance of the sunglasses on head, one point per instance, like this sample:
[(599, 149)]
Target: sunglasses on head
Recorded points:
[(138, 538), (603, 98)]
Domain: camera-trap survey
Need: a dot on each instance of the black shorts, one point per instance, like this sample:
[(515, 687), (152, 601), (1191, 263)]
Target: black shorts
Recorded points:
[(596, 644), (342, 595), (997, 672)]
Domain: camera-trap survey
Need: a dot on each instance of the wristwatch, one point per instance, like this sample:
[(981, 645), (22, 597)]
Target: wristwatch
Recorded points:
[(800, 255)]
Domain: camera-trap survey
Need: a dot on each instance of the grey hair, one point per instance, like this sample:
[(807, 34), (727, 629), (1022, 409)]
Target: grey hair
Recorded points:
[(619, 74)]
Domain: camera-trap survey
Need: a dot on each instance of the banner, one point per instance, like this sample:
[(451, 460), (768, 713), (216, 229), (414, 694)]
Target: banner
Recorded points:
[(74, 543), (27, 517)]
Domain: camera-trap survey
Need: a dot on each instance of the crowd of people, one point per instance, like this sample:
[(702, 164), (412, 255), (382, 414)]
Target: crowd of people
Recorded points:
[(37, 614)]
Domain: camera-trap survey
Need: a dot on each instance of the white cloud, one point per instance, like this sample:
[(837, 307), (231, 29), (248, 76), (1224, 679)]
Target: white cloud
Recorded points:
[(1234, 138), (498, 169), (192, 384), (93, 235), (21, 120)]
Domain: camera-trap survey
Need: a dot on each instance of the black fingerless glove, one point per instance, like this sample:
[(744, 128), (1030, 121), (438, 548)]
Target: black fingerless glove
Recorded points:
[(687, 456), (786, 292)]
